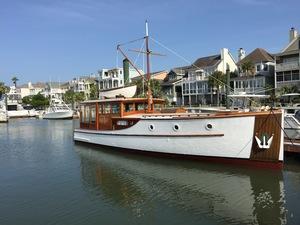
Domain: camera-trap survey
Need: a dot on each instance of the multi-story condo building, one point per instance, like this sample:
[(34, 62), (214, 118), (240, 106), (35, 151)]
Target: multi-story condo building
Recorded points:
[(288, 63), (258, 77), (83, 84), (195, 86), (116, 77)]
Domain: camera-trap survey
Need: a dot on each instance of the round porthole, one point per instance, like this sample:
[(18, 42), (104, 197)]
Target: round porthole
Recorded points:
[(209, 126), (176, 127), (151, 127)]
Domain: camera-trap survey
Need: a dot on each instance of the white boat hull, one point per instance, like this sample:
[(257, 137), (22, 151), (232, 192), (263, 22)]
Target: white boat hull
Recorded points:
[(127, 92), (58, 115), (3, 117), (228, 138), (21, 113)]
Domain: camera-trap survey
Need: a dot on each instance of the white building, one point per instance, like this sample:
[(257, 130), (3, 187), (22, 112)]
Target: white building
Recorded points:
[(260, 78), (288, 63), (195, 87), (117, 77), (83, 84), (31, 89)]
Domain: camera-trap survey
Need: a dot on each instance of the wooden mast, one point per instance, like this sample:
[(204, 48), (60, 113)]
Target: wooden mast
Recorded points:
[(149, 93)]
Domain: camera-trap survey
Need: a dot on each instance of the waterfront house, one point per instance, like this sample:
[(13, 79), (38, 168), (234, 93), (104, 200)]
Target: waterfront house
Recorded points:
[(256, 72), (195, 86), (31, 88), (83, 84), (55, 89), (172, 85), (288, 63)]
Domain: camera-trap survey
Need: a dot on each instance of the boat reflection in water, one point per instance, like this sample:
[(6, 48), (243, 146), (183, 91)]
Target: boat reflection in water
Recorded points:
[(195, 192)]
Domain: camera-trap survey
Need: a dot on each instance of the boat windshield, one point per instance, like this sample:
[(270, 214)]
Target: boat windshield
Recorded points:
[(297, 115)]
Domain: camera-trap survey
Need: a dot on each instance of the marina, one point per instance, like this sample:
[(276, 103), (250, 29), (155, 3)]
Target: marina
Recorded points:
[(195, 120), (47, 178)]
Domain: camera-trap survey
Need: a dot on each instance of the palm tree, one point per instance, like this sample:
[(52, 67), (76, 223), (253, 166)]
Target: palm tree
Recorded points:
[(247, 66), (217, 80), (3, 89), (14, 80)]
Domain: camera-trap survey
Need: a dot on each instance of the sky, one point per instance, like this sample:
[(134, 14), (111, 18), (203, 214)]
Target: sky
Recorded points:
[(58, 40)]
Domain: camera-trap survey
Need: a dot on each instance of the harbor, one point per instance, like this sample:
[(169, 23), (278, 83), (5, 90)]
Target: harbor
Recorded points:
[(47, 178), (150, 112)]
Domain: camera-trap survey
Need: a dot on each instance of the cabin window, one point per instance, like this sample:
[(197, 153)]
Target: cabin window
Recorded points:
[(129, 107), (87, 114), (100, 108), (115, 108), (106, 109), (157, 106), (82, 114), (139, 106), (93, 114)]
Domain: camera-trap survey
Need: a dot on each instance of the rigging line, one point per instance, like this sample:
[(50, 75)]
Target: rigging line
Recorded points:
[(117, 59), (175, 53), (281, 127), (129, 42), (139, 53)]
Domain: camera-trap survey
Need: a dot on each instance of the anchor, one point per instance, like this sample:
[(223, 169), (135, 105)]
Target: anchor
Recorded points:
[(264, 142)]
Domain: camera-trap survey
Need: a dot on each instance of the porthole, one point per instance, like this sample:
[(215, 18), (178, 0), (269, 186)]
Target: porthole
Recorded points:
[(151, 127), (176, 127), (209, 126)]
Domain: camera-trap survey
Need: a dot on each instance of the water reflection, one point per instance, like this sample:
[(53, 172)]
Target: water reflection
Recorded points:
[(218, 193)]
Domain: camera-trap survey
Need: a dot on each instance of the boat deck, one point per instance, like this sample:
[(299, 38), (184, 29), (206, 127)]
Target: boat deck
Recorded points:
[(292, 147)]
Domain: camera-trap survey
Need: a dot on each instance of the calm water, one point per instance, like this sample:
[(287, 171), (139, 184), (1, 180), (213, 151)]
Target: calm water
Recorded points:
[(47, 179)]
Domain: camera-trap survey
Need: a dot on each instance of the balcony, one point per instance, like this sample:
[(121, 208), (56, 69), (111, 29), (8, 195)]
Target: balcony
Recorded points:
[(287, 66)]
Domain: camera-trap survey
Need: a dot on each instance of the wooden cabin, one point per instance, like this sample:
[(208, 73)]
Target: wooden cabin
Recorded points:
[(115, 114)]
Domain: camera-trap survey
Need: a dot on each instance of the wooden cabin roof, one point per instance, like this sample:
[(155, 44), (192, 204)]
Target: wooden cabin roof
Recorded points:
[(138, 100)]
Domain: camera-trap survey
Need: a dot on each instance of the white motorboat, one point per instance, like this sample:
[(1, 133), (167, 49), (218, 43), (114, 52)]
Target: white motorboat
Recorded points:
[(58, 110), (140, 125), (292, 122)]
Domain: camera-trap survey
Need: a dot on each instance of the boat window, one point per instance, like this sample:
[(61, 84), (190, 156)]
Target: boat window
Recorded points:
[(106, 109), (139, 106), (100, 108), (129, 107), (93, 114), (87, 114), (115, 108), (297, 115), (82, 114), (157, 106)]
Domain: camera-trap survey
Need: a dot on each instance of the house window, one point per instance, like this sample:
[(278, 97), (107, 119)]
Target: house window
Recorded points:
[(295, 77), (265, 67), (287, 77), (258, 68), (279, 78)]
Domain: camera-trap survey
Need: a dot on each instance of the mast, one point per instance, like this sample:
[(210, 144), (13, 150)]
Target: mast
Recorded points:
[(149, 94)]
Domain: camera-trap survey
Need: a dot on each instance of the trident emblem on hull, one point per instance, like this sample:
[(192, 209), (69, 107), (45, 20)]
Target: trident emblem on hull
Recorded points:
[(264, 142)]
